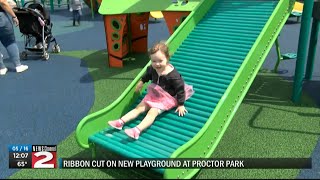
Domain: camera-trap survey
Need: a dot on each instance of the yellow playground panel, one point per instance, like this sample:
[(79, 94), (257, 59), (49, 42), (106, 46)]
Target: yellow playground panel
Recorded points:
[(297, 10), (156, 14), (298, 7)]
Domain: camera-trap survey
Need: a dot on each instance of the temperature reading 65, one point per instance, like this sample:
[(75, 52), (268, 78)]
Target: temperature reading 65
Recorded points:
[(22, 163)]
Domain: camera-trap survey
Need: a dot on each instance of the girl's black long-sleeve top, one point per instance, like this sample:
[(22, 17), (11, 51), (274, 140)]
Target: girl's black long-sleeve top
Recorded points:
[(172, 83)]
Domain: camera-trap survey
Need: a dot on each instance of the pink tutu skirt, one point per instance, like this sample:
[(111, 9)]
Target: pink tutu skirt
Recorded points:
[(158, 98)]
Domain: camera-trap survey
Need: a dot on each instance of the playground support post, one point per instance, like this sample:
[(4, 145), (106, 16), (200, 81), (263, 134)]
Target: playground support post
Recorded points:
[(92, 10), (278, 54), (302, 50), (51, 6), (312, 48)]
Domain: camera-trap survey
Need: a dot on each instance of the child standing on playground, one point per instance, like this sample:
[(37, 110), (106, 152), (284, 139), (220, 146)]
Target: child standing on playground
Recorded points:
[(167, 90), (76, 8)]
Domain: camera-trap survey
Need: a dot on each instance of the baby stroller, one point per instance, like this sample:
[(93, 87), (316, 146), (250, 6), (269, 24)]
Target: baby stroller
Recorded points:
[(35, 25)]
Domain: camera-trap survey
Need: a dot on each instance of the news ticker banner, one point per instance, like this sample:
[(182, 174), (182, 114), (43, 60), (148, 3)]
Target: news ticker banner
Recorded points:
[(228, 163), (45, 156)]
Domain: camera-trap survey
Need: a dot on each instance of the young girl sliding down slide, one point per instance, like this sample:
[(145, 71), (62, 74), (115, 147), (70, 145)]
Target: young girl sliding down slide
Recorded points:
[(167, 90)]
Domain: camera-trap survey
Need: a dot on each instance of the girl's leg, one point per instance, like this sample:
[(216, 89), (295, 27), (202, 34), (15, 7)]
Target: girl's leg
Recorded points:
[(118, 124), (145, 123), (142, 107), (149, 119)]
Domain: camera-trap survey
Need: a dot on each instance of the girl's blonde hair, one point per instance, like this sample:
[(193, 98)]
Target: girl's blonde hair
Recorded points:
[(162, 47)]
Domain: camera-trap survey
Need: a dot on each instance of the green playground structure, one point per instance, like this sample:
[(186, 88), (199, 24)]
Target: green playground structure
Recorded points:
[(310, 9), (282, 57), (219, 49)]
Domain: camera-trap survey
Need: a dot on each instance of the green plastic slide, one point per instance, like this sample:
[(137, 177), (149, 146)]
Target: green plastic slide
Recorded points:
[(218, 49)]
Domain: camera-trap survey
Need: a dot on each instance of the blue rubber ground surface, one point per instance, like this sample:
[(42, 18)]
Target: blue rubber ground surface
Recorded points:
[(44, 104)]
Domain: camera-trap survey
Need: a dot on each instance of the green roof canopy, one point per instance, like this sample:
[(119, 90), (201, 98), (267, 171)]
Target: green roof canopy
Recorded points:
[(109, 7)]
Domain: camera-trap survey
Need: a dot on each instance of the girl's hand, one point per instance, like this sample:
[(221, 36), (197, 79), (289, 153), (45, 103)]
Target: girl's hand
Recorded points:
[(139, 86), (181, 110)]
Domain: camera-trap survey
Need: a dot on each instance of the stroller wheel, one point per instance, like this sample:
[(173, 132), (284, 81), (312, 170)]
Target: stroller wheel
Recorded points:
[(46, 56), (56, 48), (23, 55)]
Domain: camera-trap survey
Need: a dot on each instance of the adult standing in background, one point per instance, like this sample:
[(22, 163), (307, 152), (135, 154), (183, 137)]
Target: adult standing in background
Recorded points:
[(76, 8), (8, 39)]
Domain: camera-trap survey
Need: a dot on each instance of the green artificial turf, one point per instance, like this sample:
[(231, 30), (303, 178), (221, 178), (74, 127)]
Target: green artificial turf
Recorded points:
[(267, 124)]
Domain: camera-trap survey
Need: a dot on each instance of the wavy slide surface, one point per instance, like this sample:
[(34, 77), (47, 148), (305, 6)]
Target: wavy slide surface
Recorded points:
[(218, 49)]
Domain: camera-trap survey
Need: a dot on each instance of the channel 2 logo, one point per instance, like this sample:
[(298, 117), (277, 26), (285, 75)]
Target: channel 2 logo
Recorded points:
[(44, 156)]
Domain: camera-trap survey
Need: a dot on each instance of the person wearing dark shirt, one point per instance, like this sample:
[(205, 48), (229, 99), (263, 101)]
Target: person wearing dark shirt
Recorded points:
[(166, 91)]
